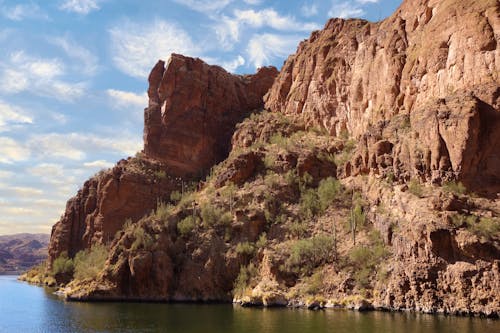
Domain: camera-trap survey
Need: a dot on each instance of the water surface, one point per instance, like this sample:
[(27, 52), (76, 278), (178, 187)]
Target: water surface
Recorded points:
[(25, 308)]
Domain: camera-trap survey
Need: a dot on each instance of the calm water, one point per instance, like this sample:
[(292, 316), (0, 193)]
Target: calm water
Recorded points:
[(25, 308)]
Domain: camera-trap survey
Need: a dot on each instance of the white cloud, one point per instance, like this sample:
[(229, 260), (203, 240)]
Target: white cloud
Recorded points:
[(263, 48), (12, 115), (205, 5), (136, 48), (21, 12), (253, 2), (38, 75), (79, 53), (232, 65), (77, 146), (127, 100), (309, 10), (12, 151), (99, 164), (345, 10), (228, 29), (367, 1), (82, 7)]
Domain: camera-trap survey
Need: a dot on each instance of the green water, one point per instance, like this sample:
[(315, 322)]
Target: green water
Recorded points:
[(25, 308)]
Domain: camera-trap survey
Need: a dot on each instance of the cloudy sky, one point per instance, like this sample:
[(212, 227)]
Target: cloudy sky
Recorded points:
[(73, 79)]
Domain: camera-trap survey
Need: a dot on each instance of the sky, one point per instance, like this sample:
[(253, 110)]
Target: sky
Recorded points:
[(73, 76)]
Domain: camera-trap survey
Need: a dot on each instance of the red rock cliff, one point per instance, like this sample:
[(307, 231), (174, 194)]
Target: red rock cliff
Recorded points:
[(437, 62), (193, 108)]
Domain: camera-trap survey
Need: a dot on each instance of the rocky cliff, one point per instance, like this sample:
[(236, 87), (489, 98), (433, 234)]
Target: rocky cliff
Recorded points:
[(193, 108), (356, 78), (371, 180)]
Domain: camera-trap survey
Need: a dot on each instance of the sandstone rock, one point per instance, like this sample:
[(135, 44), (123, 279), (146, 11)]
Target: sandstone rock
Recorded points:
[(193, 109), (129, 190)]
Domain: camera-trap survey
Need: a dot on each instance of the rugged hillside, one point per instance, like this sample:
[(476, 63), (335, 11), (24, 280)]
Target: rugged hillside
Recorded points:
[(22, 251), (193, 108), (369, 179)]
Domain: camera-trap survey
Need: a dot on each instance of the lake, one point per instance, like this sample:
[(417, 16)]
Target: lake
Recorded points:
[(26, 308)]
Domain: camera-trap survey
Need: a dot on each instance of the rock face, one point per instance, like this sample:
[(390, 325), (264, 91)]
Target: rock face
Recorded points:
[(129, 190), (193, 108), (355, 75)]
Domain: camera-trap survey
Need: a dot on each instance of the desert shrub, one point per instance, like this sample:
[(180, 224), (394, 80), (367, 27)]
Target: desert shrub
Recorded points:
[(291, 177), (212, 215), (245, 248), (272, 180), (175, 197), (357, 216), (142, 239), (269, 160), (163, 210), (160, 174), (305, 182), (415, 188), (88, 263), (389, 177), (487, 227), (454, 187), (63, 264), (298, 228), (315, 283), (309, 204), (247, 273), (262, 241), (186, 225), (279, 140), (328, 190), (364, 260), (307, 254)]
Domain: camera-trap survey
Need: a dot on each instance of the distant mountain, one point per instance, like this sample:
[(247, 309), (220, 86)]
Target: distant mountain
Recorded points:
[(22, 251)]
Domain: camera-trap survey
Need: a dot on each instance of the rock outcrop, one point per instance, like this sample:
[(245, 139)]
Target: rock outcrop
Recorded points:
[(355, 75), (193, 108), (128, 191)]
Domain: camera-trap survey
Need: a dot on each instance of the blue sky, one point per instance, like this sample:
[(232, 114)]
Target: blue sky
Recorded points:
[(73, 76)]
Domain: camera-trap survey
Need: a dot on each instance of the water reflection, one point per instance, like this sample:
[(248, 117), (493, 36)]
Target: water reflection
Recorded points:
[(25, 308)]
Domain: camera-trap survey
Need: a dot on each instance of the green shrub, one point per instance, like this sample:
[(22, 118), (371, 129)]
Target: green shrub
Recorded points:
[(364, 260), (142, 239), (486, 227), (262, 241), (163, 210), (175, 197), (307, 254), (247, 273), (63, 264), (88, 263), (309, 204), (415, 188), (212, 215), (160, 174), (298, 228), (328, 191), (186, 225), (454, 187), (245, 248)]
